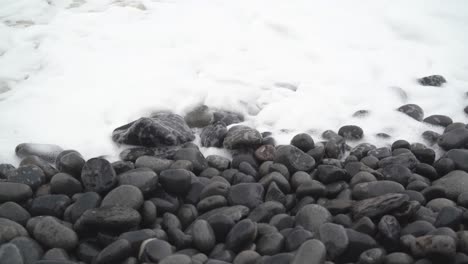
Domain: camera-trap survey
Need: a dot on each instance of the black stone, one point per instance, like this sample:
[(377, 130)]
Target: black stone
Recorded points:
[(161, 129), (413, 111), (432, 80), (213, 135), (98, 176)]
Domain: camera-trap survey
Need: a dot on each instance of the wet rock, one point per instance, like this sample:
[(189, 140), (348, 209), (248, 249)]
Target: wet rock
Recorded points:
[(227, 117), (453, 139), (98, 176), (54, 205), (63, 183), (115, 252), (303, 142), (311, 252), (10, 230), (459, 158), (213, 135), (14, 192), (132, 154), (48, 152), (241, 235), (432, 80), (52, 234), (334, 238), (373, 189), (161, 129), (194, 156), (294, 159), (144, 179), (176, 181), (200, 116), (30, 175), (378, 206), (438, 120), (71, 162), (413, 111), (242, 136), (351, 132), (454, 183), (247, 194), (125, 196), (83, 202), (312, 216), (109, 218)]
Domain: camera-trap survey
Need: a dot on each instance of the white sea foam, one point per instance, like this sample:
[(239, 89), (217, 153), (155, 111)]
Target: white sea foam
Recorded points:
[(72, 71)]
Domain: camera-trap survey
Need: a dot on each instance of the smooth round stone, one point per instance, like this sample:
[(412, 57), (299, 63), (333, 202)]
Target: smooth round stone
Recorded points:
[(376, 188), (362, 177), (264, 212), (143, 178), (412, 110), (14, 212), (108, 218), (203, 236), (449, 217), (329, 173), (176, 181), (10, 254), (242, 234), (438, 120), (30, 175), (154, 163), (63, 183), (303, 142), (459, 157), (334, 238), (53, 204), (48, 170), (358, 243), (417, 228), (437, 204), (193, 155), (398, 258), (444, 166), (311, 252), (155, 250), (246, 257), (218, 162), (176, 259), (122, 166), (200, 116), (296, 238), (98, 175), (397, 173), (212, 202), (372, 256), (453, 139), (115, 252), (10, 230), (312, 216), (427, 171), (71, 162), (313, 188), (83, 202), (351, 132), (247, 194), (56, 254), (53, 234), (265, 153), (30, 250), (294, 159), (270, 244), (187, 213), (215, 188), (125, 196)]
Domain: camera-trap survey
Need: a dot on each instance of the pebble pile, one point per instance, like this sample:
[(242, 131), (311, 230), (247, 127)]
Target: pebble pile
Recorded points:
[(307, 202)]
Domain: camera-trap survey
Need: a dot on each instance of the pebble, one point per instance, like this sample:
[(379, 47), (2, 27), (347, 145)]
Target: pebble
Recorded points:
[(125, 196), (294, 159), (98, 176), (242, 136), (52, 234), (311, 252), (312, 216)]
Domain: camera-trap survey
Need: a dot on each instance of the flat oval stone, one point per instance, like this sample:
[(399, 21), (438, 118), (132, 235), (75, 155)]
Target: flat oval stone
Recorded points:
[(378, 206), (312, 216), (53, 234), (125, 196), (109, 218), (117, 251), (143, 178), (10, 230), (203, 236), (294, 159), (30, 175), (373, 189), (311, 252), (242, 136), (241, 235)]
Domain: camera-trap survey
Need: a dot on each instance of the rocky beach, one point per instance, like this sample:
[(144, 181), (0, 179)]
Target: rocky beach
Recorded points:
[(317, 201)]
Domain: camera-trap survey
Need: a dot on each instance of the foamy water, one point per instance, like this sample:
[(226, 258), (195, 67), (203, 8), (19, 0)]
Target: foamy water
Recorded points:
[(72, 71)]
